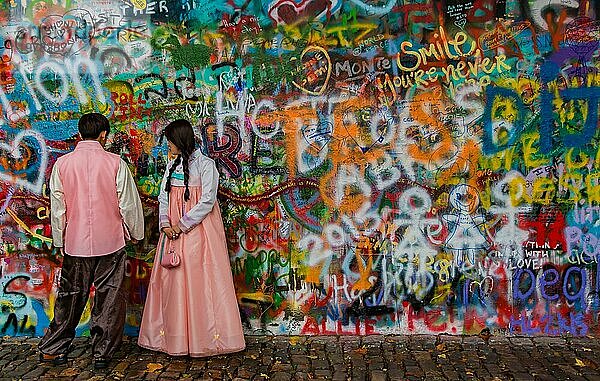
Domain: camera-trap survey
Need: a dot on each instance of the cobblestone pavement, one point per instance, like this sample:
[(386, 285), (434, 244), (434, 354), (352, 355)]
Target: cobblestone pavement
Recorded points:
[(328, 357)]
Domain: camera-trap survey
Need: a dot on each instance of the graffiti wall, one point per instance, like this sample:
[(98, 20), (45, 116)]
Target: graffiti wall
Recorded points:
[(387, 166)]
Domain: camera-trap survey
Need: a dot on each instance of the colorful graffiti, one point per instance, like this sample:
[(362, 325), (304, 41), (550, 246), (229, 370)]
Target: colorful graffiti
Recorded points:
[(386, 166)]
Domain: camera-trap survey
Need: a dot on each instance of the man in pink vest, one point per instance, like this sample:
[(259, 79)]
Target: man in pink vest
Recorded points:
[(95, 207)]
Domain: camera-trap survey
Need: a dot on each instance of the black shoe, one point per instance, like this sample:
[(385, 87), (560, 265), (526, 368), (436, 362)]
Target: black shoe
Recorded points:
[(101, 363), (54, 359)]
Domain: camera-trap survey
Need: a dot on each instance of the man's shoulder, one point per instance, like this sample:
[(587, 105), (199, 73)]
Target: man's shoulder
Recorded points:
[(74, 156), (65, 157), (113, 155)]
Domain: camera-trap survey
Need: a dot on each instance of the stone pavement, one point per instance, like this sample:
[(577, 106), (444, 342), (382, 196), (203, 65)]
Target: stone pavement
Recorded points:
[(328, 357)]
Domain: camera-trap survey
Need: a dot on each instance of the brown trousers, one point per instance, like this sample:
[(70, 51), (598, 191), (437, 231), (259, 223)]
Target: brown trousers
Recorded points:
[(107, 273)]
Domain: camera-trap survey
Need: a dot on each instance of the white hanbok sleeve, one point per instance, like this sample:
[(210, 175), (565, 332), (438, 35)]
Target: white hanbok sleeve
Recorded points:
[(210, 185), (130, 204), (163, 202), (58, 208)]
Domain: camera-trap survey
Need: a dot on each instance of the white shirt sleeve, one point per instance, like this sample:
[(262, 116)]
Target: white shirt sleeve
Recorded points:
[(163, 202), (130, 204), (58, 208), (210, 185)]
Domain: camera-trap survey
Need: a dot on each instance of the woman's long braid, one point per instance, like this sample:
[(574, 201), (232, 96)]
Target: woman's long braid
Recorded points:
[(185, 155), (171, 170), (181, 134)]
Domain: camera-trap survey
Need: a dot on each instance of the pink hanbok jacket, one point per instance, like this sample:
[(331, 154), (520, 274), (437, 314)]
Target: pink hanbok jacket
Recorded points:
[(94, 202)]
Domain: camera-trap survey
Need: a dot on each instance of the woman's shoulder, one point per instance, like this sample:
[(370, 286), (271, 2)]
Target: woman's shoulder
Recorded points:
[(199, 157)]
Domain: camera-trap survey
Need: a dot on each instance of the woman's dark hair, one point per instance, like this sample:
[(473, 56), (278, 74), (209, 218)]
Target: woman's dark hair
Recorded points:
[(91, 125), (180, 133)]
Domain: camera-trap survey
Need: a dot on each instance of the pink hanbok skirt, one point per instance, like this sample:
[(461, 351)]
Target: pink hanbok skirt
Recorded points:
[(192, 309)]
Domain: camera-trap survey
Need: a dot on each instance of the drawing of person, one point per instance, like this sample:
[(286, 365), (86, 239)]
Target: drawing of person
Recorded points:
[(467, 231)]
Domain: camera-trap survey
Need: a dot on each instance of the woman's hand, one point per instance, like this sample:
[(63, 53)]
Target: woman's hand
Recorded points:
[(171, 232), (177, 230)]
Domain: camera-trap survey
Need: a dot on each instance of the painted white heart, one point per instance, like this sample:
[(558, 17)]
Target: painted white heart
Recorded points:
[(486, 285), (14, 150), (460, 23)]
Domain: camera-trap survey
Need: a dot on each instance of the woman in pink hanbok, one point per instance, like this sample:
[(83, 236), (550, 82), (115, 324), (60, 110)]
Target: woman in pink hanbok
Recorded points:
[(191, 309)]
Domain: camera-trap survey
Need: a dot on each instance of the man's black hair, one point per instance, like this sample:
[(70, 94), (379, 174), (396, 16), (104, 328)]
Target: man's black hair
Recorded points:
[(91, 125)]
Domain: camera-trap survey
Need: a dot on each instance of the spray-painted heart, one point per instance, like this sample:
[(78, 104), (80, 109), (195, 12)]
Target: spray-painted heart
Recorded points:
[(23, 162), (461, 22), (361, 130), (313, 70), (68, 33), (318, 134), (139, 4), (290, 12), (485, 286)]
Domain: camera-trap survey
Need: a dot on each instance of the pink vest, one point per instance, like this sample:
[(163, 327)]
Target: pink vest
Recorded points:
[(94, 225)]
